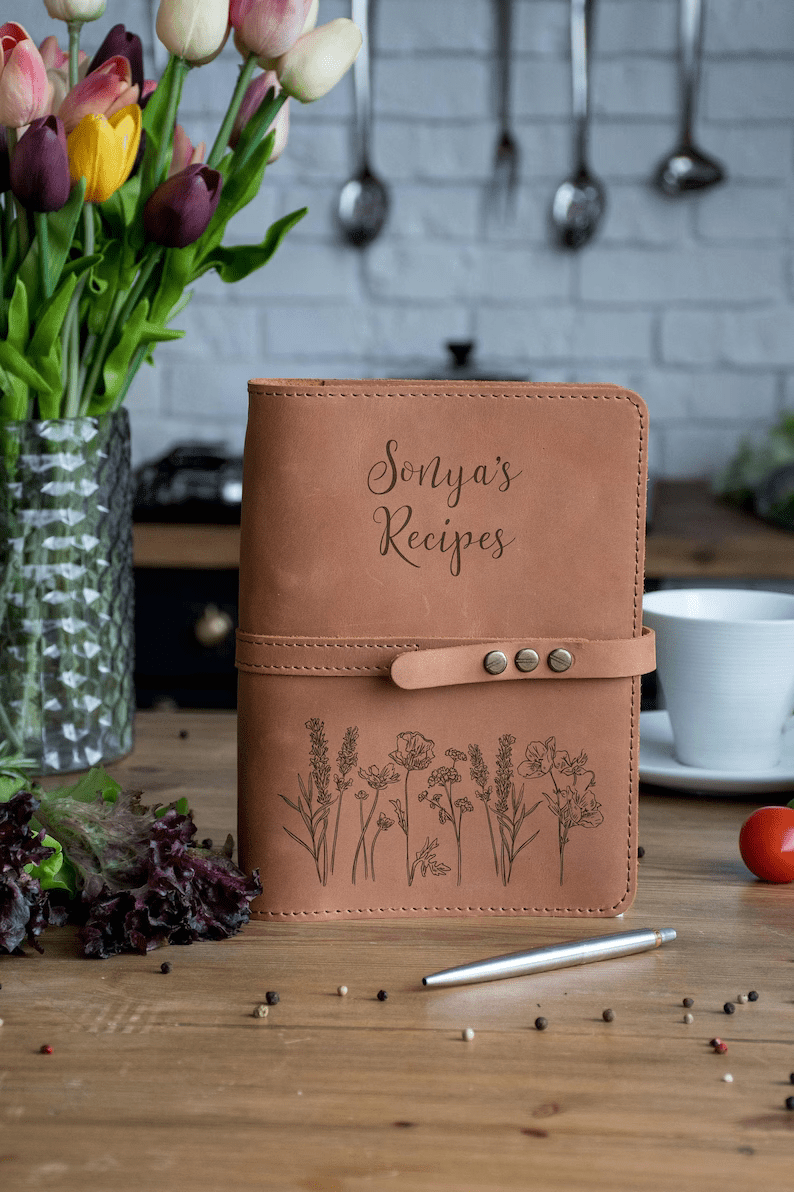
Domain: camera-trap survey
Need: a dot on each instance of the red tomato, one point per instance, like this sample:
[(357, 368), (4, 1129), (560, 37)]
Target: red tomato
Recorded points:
[(766, 843)]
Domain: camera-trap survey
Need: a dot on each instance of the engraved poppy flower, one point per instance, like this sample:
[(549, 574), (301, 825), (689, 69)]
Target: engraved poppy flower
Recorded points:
[(384, 822), (379, 779), (413, 751), (540, 756)]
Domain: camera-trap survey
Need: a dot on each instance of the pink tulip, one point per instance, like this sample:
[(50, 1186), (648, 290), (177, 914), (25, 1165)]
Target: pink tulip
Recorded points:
[(25, 91), (52, 55), (104, 91), (185, 153), (257, 90), (267, 28), (57, 64)]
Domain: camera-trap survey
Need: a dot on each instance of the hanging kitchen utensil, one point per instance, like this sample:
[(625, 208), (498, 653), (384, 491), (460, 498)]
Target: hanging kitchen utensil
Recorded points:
[(687, 167), (579, 202), (501, 195), (364, 199)]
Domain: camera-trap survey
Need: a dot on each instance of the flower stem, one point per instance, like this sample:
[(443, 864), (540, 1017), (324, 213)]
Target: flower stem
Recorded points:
[(43, 234), (120, 313), (408, 869), (72, 322), (222, 140), (182, 66), (74, 28)]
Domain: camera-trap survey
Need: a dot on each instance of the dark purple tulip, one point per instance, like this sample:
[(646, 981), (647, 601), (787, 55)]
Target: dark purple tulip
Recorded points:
[(119, 41), (5, 162), (180, 210), (40, 168)]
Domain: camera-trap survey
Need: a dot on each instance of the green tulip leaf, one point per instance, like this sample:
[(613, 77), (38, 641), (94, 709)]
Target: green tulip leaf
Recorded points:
[(234, 263), (104, 285), (120, 209), (18, 319), (80, 264), (176, 272), (50, 321), (12, 361), (155, 124), (13, 397)]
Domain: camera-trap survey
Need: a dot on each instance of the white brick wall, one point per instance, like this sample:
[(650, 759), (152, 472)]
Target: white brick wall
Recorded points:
[(690, 302)]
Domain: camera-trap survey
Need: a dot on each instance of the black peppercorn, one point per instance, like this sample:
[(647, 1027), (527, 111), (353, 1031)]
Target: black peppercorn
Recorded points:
[(541, 1023), (608, 1015), (183, 734), (165, 967), (752, 996), (729, 1008), (640, 852), (689, 1001), (382, 995), (789, 1102), (272, 998)]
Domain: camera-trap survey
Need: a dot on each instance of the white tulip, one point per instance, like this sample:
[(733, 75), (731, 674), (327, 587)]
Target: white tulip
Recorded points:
[(75, 10), (193, 29), (319, 59)]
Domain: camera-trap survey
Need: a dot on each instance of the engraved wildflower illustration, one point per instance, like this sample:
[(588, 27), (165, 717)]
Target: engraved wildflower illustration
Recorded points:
[(509, 810), (573, 802), (377, 780), (383, 825), (453, 810), (478, 772), (413, 752), (346, 760), (315, 800)]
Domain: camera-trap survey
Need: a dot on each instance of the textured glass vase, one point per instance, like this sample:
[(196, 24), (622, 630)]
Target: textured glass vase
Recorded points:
[(67, 698)]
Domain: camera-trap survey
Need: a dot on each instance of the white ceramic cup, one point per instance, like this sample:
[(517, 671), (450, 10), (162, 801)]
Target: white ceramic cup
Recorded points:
[(725, 661)]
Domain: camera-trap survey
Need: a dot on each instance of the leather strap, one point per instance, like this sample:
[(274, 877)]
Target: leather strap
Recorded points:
[(465, 664), (441, 662)]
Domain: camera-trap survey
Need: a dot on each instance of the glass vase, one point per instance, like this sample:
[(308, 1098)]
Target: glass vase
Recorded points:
[(67, 697)]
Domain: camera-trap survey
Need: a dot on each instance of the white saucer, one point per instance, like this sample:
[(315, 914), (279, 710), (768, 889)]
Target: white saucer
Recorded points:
[(659, 766)]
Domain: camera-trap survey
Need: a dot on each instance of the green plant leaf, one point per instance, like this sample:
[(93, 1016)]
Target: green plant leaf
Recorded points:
[(103, 285), (55, 872), (12, 361), (234, 263), (18, 319), (61, 227), (176, 272), (155, 126), (120, 209)]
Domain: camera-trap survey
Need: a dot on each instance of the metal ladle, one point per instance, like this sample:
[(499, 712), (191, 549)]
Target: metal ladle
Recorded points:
[(580, 200), (687, 167), (364, 200)]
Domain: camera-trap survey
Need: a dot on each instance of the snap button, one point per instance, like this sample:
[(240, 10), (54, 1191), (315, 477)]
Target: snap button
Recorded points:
[(526, 659), (559, 659), (494, 662)]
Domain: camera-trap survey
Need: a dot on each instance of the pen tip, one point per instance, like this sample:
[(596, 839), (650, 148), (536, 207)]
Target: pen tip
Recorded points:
[(667, 934)]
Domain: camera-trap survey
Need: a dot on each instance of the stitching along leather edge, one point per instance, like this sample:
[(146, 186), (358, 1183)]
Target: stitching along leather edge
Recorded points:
[(625, 395)]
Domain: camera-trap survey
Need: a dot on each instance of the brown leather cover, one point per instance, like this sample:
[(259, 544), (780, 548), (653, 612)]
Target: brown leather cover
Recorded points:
[(394, 533)]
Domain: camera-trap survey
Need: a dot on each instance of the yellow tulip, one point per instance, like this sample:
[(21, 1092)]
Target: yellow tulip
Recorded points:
[(103, 151)]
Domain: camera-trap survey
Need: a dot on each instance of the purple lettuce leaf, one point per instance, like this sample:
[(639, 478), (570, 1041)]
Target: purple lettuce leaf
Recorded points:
[(24, 908), (141, 882)]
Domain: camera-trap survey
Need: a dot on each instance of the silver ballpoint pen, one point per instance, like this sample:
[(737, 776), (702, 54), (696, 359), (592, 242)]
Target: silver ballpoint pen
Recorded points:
[(540, 960)]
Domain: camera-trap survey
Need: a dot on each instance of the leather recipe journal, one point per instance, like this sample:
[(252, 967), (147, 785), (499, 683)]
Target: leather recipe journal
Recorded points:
[(440, 646)]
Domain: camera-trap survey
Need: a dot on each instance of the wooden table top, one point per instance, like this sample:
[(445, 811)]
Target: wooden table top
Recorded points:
[(168, 1082)]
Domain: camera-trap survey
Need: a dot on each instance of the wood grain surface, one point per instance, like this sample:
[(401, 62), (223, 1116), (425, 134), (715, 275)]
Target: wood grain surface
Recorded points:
[(168, 1082)]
